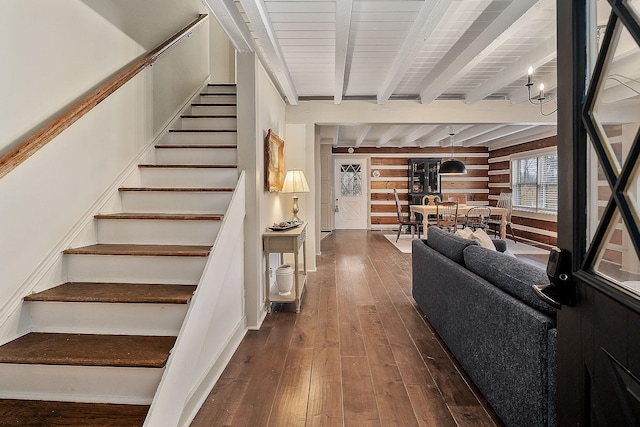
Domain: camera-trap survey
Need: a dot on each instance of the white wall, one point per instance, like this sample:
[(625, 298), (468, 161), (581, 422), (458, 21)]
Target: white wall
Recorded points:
[(52, 52), (260, 108), (223, 55)]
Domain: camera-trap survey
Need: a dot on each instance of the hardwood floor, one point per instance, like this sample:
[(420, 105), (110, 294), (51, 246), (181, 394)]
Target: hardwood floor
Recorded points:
[(358, 354)]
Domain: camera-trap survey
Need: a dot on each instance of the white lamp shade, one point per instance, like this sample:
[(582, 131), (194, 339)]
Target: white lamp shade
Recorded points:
[(295, 182)]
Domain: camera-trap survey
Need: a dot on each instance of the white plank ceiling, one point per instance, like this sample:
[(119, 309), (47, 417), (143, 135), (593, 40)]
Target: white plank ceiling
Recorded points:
[(414, 50)]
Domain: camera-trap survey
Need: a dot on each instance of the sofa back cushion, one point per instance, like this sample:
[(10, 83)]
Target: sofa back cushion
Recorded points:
[(448, 244), (513, 276)]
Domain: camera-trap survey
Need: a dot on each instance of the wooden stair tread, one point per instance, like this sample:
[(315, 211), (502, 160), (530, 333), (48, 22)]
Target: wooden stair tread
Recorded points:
[(37, 413), (116, 293), (88, 350), (179, 189), (162, 216), (210, 146), (141, 250), (187, 166)]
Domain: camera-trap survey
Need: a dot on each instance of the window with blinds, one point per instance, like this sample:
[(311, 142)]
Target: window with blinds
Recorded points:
[(534, 182)]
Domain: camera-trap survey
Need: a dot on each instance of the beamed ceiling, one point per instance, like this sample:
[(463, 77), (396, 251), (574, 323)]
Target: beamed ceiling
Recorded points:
[(413, 50)]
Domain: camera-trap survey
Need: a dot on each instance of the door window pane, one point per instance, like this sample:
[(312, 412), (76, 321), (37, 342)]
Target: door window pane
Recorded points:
[(613, 122), (615, 110), (617, 259), (350, 180)]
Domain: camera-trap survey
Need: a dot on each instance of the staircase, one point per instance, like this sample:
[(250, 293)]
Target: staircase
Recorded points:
[(99, 343)]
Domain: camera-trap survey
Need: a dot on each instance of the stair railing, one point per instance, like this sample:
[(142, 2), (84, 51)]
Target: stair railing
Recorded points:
[(54, 127), (193, 356)]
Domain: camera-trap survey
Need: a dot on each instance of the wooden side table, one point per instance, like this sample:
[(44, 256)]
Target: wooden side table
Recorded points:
[(281, 242)]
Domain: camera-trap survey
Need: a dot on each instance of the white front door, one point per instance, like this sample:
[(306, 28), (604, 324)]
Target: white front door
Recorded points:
[(351, 194)]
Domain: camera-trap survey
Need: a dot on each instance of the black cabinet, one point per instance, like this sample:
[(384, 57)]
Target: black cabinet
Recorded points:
[(424, 179)]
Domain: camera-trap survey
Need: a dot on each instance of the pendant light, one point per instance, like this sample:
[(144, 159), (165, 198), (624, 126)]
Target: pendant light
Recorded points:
[(452, 166)]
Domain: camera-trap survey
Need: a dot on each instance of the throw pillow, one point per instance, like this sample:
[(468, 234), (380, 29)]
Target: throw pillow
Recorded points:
[(483, 238), (465, 233)]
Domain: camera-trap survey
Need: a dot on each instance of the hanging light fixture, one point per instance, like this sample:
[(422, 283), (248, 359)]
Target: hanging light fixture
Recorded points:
[(541, 99), (452, 166)]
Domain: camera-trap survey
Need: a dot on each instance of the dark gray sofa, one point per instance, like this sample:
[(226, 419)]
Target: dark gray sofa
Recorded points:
[(482, 305)]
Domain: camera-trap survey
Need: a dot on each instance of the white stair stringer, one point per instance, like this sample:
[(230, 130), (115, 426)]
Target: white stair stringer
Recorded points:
[(171, 206)]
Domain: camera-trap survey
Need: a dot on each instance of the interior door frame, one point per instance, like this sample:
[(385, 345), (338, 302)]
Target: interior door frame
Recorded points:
[(365, 184)]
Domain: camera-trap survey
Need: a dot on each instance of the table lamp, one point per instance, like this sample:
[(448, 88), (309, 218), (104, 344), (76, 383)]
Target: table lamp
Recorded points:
[(295, 182)]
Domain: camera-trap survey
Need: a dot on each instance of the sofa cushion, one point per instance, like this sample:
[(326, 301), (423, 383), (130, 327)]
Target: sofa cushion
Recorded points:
[(513, 276), (448, 244)]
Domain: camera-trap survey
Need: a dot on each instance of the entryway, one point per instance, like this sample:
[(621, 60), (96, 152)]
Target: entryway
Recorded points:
[(350, 187)]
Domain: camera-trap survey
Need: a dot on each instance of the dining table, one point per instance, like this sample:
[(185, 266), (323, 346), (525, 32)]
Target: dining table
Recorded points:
[(462, 210)]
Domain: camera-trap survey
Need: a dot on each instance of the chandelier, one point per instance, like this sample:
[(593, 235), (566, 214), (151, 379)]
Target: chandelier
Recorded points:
[(540, 99)]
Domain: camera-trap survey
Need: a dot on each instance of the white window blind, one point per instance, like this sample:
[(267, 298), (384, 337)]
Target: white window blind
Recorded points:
[(534, 182)]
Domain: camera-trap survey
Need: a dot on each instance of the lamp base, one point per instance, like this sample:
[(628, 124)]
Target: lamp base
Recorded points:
[(295, 211)]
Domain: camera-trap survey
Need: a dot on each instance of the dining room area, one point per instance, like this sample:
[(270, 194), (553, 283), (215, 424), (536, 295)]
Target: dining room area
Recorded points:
[(407, 190)]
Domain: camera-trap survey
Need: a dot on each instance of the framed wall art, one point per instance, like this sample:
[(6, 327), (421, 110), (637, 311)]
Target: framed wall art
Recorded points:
[(273, 162)]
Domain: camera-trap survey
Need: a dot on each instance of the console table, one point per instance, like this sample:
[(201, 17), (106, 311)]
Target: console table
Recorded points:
[(288, 241)]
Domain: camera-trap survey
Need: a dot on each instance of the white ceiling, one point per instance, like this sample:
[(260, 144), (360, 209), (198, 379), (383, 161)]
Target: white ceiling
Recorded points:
[(414, 50)]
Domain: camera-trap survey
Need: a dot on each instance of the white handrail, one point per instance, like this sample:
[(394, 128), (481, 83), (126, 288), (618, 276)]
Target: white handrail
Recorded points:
[(183, 371)]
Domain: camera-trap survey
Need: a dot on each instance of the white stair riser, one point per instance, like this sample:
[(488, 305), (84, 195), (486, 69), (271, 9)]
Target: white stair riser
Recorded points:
[(79, 383), (159, 232), (210, 123), (107, 318), (134, 269), (220, 89), (174, 202), (215, 98), (189, 178), (208, 138), (213, 109), (197, 156)]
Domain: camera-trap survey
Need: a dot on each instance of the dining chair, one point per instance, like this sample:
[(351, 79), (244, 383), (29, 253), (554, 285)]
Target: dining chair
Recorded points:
[(430, 219), (504, 201), (404, 219), (447, 216), (477, 217)]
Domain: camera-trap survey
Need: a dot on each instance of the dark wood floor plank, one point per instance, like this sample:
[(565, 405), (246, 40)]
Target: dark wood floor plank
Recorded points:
[(351, 343), (325, 393), (471, 416), (453, 387), (266, 374), (430, 409), (360, 406), (292, 394), (394, 405), (360, 353)]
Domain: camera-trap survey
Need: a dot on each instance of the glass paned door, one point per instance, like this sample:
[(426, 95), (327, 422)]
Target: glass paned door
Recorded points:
[(612, 119), (598, 327), (351, 204)]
